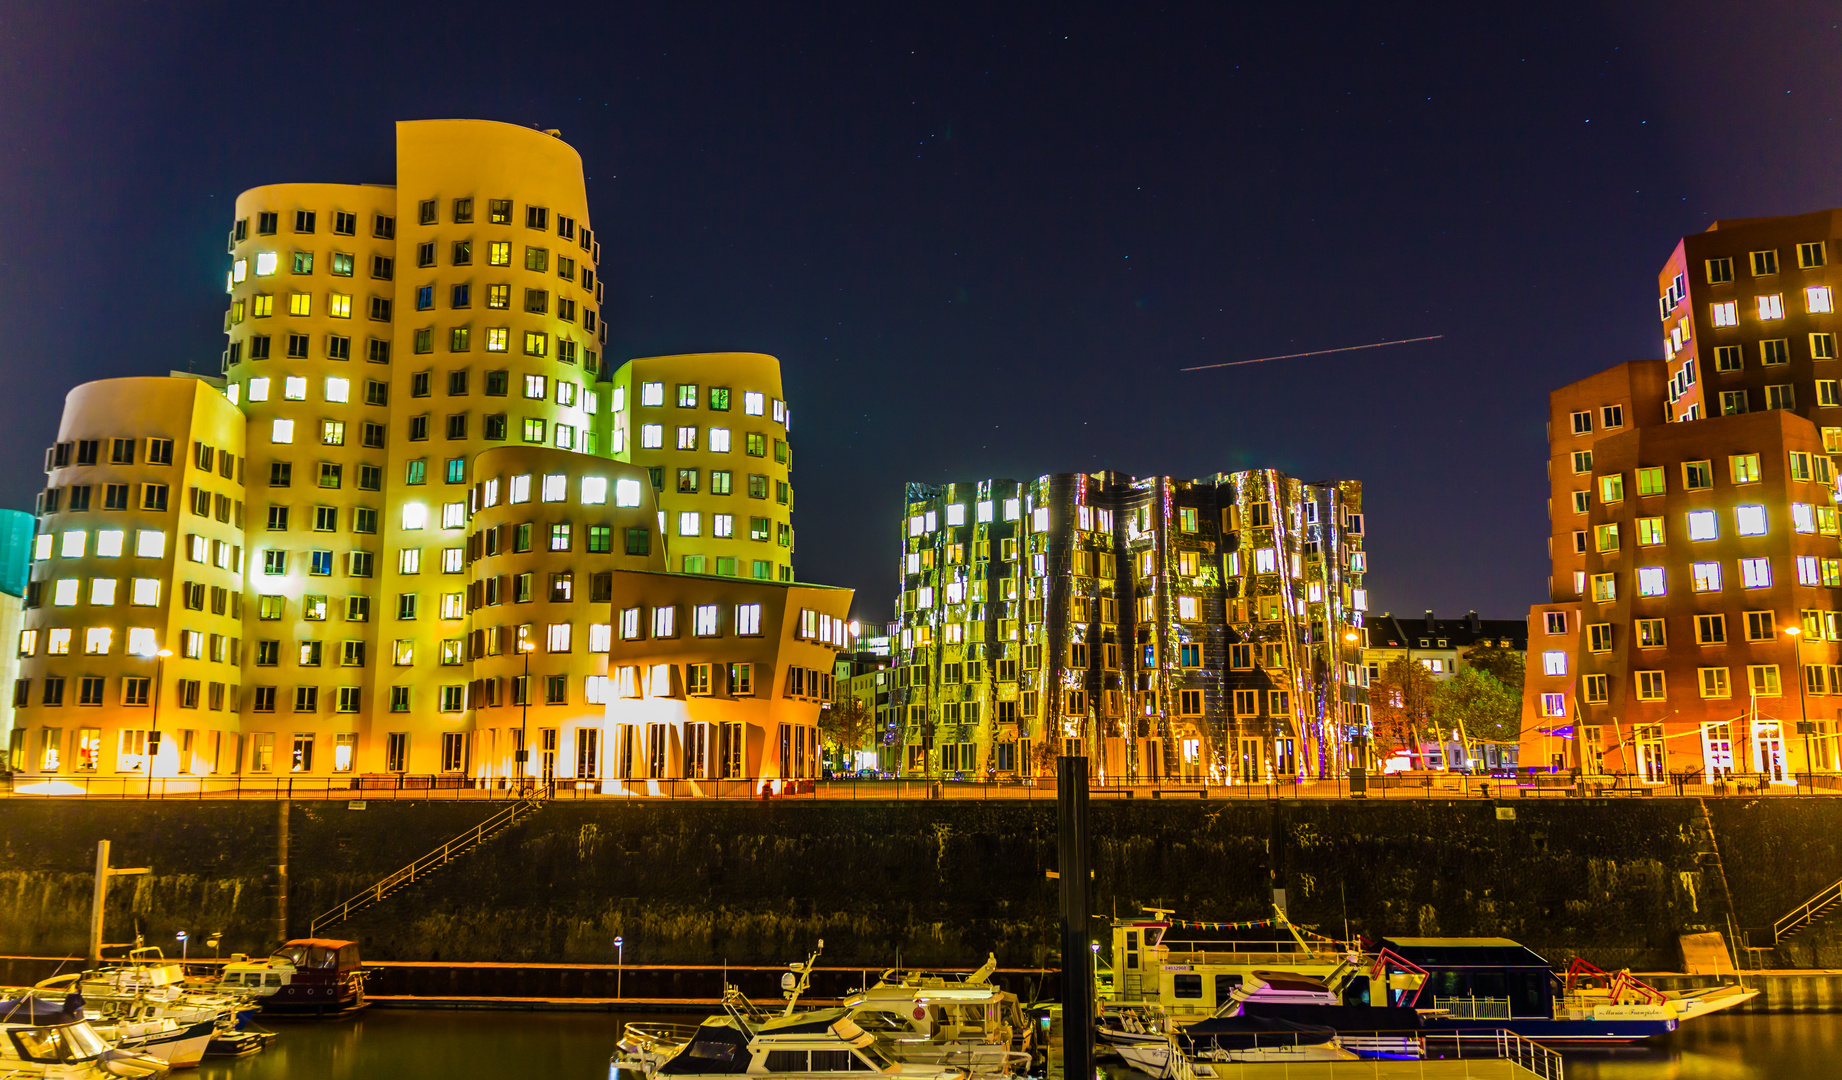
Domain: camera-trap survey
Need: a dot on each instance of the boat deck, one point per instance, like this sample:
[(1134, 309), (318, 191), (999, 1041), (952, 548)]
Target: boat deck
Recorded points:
[(1446, 1069)]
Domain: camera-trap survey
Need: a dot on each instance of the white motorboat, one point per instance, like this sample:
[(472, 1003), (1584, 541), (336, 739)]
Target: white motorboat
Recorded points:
[(179, 1045), (47, 1036), (943, 1019)]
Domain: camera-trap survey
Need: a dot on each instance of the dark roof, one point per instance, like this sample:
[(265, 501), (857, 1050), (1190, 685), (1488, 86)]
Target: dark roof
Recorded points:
[(1390, 631), (1461, 952)]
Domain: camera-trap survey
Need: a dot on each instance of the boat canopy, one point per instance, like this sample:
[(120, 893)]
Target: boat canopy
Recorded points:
[(321, 953), (1250, 1032), (1464, 952), (40, 1009), (720, 1046)]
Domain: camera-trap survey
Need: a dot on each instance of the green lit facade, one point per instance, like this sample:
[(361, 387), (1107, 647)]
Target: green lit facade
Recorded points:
[(1198, 630)]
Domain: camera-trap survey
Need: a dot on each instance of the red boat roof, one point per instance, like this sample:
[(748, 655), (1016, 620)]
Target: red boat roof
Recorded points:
[(325, 943)]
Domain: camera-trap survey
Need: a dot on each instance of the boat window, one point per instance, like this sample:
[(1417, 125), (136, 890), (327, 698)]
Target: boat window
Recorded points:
[(1224, 986), (880, 1021), (1356, 991), (68, 1044), (1528, 994), (1186, 986), (832, 1060), (786, 1061), (293, 954), (1131, 949)]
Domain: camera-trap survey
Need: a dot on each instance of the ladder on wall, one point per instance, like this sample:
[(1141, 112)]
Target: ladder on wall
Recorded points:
[(1707, 860), (402, 878)]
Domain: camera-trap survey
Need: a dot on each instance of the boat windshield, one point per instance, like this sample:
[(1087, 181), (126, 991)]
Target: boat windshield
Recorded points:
[(64, 1044), (877, 1058)]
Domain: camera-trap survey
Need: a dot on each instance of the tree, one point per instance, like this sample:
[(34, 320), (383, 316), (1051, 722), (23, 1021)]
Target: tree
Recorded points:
[(848, 726), (1400, 707), (1476, 702), (1504, 664)]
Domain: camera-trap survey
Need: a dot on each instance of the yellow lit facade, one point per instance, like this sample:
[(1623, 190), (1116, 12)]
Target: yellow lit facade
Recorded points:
[(436, 472)]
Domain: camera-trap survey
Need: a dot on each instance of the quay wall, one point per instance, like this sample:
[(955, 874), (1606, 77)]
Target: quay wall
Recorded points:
[(937, 883)]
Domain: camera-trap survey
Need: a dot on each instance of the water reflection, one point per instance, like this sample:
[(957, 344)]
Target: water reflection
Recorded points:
[(455, 1045)]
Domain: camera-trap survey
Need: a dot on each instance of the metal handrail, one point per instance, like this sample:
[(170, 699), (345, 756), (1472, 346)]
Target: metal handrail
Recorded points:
[(1806, 911), (458, 845)]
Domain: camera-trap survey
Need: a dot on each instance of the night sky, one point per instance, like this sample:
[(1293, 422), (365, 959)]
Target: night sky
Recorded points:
[(983, 239)]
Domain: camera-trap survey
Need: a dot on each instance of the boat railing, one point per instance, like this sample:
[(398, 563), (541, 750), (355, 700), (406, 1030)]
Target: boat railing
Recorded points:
[(642, 1036), (1473, 1008), (1501, 1045), (988, 1061), (1246, 958)]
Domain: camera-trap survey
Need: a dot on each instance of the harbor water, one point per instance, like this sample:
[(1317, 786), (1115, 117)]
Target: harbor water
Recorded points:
[(392, 1044)]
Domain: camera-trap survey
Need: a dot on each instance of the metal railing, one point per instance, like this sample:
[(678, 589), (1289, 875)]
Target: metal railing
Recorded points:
[(459, 787), (1805, 913), (423, 866), (1481, 1045), (1473, 1008)]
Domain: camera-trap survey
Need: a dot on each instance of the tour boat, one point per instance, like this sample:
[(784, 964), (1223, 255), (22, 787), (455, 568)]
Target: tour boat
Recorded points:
[(1191, 968), (943, 1019), (1365, 1025), (305, 977), (1498, 983), (45, 1036)]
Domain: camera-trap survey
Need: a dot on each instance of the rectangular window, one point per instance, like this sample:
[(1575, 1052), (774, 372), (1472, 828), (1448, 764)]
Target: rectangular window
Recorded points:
[(1650, 686), (1714, 682)]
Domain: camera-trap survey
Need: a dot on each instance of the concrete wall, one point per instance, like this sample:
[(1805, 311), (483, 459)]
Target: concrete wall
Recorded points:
[(746, 882)]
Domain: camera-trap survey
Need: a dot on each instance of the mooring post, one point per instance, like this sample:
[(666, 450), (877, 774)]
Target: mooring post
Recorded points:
[(96, 906), (1077, 957), (281, 874)]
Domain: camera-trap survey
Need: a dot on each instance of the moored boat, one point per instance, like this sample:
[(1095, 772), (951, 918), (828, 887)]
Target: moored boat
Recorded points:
[(44, 1035), (304, 977), (946, 1019)]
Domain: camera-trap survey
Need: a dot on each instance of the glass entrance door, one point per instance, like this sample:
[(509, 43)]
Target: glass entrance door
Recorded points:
[(1768, 751), (1717, 750)]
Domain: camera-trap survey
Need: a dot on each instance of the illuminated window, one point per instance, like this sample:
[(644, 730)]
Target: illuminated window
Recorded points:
[(1808, 572), (626, 493), (652, 436), (719, 440), (533, 430), (96, 641), (338, 389), (300, 303), (499, 253), (536, 343), (1605, 537), (239, 270), (1551, 704), (74, 544), (1703, 525), (1803, 518), (1650, 634), (415, 515), (258, 390), (1756, 573), (1605, 588), (102, 592), (1650, 581), (1772, 306), (261, 306), (1724, 314), (665, 621), (687, 437), (1750, 520), (1707, 576), (1266, 560), (339, 305), (266, 262), (1649, 531), (1612, 488), (1554, 663), (690, 523), (1650, 481), (150, 544), (282, 432), (594, 490), (1816, 299), (498, 338)]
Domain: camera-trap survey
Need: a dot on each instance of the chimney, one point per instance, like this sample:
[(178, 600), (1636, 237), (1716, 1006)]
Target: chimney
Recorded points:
[(1431, 623), (1476, 624)]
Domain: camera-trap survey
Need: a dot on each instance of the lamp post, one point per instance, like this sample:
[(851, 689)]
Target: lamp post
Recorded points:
[(524, 744), (1795, 633), (182, 946), (620, 963), (153, 736)]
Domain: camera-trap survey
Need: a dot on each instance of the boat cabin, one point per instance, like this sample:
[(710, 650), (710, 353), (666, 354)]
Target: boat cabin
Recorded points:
[(1480, 978), (305, 975), (1193, 967)]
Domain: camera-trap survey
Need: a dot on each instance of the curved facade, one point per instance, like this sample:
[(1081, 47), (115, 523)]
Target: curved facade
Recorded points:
[(140, 550), (712, 428), (414, 368)]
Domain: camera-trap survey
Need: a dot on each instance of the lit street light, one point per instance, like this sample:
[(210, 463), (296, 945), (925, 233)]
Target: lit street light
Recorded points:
[(1795, 633), (620, 963), (153, 736)]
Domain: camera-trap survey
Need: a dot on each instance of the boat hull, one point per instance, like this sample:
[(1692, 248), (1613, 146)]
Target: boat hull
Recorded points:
[(1558, 1032)]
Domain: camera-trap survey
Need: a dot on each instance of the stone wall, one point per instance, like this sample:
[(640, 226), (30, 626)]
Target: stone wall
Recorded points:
[(942, 882)]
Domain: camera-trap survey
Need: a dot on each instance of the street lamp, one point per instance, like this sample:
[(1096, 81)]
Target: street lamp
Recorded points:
[(1795, 633), (182, 946), (524, 744), (153, 736), (620, 963)]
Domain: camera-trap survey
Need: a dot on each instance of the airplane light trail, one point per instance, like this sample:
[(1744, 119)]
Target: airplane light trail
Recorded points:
[(1319, 352)]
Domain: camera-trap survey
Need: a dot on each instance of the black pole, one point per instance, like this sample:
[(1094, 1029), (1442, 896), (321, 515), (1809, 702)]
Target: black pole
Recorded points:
[(1077, 958)]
